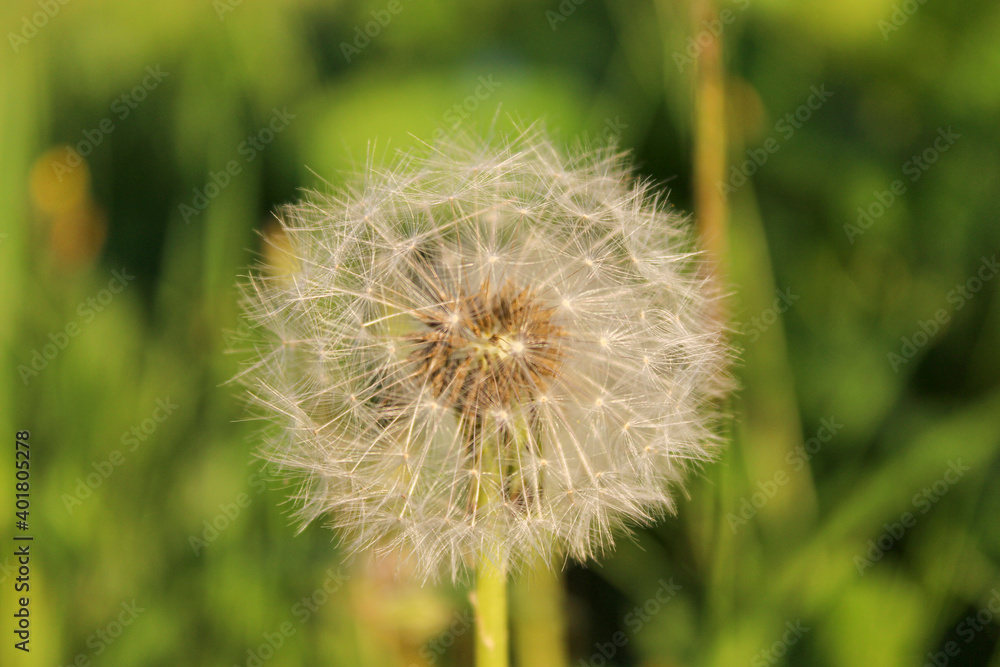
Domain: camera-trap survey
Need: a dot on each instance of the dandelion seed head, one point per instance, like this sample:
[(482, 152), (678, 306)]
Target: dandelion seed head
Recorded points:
[(496, 349)]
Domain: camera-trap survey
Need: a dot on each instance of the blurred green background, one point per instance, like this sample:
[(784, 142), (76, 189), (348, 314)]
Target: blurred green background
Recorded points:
[(852, 521)]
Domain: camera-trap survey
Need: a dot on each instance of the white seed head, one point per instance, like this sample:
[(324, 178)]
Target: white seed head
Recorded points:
[(491, 350)]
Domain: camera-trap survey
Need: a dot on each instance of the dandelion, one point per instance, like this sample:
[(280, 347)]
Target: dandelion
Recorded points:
[(488, 354)]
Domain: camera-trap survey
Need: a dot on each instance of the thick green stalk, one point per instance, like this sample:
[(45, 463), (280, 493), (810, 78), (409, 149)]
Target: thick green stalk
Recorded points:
[(491, 575), (491, 615)]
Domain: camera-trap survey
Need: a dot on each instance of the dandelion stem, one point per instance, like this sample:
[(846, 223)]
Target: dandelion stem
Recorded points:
[(491, 615), (491, 575)]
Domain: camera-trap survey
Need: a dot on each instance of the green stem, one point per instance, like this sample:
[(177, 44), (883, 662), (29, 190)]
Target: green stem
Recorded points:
[(491, 574), (491, 615)]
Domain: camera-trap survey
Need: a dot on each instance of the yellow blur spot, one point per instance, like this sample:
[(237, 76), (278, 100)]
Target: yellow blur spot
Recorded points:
[(278, 254), (60, 181), (77, 235)]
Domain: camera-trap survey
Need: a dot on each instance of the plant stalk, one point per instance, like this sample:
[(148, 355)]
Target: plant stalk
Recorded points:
[(490, 597), (491, 615), (710, 138)]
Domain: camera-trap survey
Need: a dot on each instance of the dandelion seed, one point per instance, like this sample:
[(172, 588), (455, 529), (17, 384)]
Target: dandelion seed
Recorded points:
[(497, 350)]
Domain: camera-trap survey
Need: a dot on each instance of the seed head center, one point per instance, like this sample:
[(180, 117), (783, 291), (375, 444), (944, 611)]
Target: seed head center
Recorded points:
[(488, 349)]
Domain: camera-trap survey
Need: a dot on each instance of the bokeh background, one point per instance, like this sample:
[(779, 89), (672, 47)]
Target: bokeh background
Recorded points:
[(854, 518)]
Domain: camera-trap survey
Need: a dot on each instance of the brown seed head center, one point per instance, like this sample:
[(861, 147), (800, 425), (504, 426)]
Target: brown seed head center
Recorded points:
[(488, 350)]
